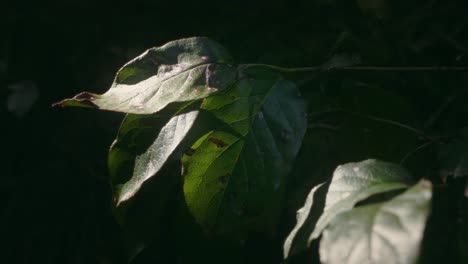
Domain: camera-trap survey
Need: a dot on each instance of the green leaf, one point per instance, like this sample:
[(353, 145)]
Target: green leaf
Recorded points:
[(351, 183), (354, 182), (140, 217), (181, 70), (143, 145), (300, 231), (388, 232), (135, 135), (234, 180), (150, 162), (143, 219)]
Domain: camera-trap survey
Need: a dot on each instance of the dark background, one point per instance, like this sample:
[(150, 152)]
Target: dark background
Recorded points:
[(54, 196)]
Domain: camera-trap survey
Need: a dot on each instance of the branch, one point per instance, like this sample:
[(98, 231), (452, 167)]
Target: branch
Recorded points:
[(409, 68), (364, 68), (412, 152)]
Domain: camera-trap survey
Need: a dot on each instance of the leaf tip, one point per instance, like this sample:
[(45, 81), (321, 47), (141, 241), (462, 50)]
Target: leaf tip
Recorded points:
[(83, 99), (122, 197)]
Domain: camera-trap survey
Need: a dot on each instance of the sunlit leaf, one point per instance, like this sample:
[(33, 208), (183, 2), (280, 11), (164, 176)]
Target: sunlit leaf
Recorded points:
[(235, 179), (181, 70), (302, 231), (354, 182), (135, 135), (150, 162), (388, 232), (351, 183)]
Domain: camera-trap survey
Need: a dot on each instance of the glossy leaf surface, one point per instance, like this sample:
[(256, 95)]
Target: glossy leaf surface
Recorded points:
[(351, 183), (308, 213), (388, 232), (181, 70), (235, 179), (150, 162)]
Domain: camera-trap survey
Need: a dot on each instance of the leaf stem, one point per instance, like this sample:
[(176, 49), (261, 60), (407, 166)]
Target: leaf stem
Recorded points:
[(412, 152), (364, 68), (395, 123), (284, 69), (408, 68)]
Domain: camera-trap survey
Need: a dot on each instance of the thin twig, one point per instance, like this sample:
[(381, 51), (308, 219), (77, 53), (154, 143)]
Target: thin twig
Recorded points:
[(283, 69), (412, 152), (323, 126), (409, 68), (438, 112), (395, 123), (364, 68), (317, 114)]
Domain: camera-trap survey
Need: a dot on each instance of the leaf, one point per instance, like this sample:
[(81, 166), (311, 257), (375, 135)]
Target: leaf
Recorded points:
[(141, 216), (350, 184), (354, 182), (234, 180), (180, 71), (388, 232), (150, 162), (143, 219), (135, 135), (307, 211), (144, 143)]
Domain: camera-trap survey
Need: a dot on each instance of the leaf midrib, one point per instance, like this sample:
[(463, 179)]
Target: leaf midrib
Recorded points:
[(164, 80)]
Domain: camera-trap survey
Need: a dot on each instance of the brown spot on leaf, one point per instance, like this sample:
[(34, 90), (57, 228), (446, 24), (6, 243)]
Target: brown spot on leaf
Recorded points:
[(218, 142)]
